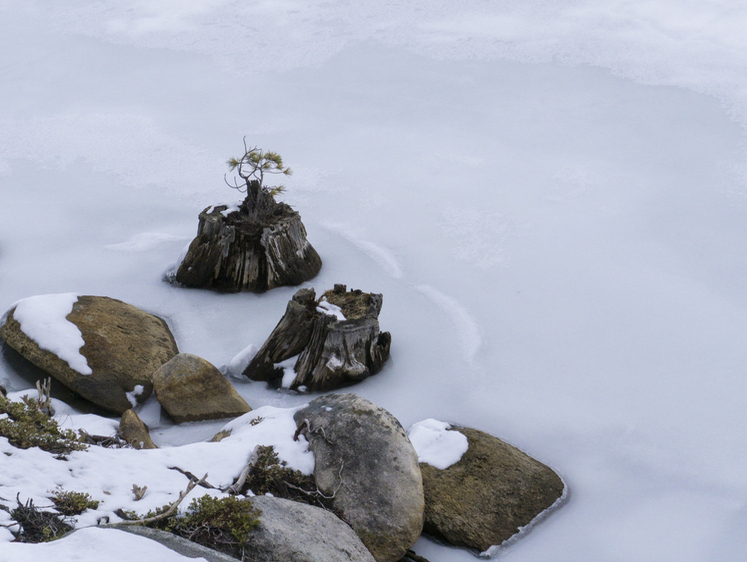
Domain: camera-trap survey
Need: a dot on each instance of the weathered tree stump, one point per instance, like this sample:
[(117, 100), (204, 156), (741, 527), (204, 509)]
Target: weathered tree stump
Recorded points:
[(242, 250), (337, 341)]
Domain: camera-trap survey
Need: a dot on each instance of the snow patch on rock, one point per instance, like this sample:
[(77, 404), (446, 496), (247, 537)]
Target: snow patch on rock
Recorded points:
[(436, 445), (43, 318)]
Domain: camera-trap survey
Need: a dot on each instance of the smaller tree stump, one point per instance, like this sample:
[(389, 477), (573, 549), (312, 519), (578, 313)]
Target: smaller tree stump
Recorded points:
[(337, 341), (244, 250)]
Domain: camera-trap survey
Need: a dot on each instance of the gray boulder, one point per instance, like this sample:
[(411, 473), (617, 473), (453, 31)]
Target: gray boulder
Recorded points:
[(176, 543), (485, 498), (297, 532), (365, 462), (134, 431), (123, 346), (191, 389)]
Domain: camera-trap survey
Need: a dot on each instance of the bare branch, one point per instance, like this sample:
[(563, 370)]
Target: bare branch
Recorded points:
[(172, 507), (45, 399), (138, 492), (253, 165), (236, 487), (191, 476)]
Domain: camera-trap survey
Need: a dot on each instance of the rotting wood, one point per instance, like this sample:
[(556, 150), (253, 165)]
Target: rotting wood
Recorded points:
[(289, 337), (237, 252), (332, 352)]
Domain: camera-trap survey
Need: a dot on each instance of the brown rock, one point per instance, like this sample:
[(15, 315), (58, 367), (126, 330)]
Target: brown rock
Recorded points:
[(191, 389), (220, 436), (134, 431), (123, 347), (483, 499)]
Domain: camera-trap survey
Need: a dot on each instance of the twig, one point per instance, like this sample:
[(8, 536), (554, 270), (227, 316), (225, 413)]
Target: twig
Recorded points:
[(306, 424), (339, 476), (191, 476), (138, 491), (172, 508), (236, 487), (103, 440), (44, 389)]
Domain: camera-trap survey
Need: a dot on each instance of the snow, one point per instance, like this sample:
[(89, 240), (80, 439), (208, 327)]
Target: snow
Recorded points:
[(289, 371), (90, 544), (330, 309), (229, 210), (240, 361), (43, 318), (551, 196), (108, 475), (134, 393), (435, 444)]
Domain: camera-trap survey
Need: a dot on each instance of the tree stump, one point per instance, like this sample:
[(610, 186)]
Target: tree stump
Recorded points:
[(337, 341), (237, 250)]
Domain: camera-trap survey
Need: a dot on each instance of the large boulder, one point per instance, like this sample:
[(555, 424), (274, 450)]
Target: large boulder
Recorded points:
[(488, 495), (288, 531), (191, 389), (365, 463), (298, 532), (102, 348)]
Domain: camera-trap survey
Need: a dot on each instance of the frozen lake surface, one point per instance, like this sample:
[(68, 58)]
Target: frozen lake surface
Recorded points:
[(551, 198)]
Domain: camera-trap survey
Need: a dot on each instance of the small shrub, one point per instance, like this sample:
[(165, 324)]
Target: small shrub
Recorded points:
[(259, 206), (223, 524), (27, 426), (207, 516), (270, 475), (36, 525), (72, 503)]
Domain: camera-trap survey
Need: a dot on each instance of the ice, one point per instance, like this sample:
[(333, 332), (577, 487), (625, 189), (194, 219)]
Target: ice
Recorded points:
[(468, 331), (382, 256), (552, 198), (145, 241)]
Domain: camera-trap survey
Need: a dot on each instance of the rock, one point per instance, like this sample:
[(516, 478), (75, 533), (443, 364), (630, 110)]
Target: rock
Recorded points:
[(297, 532), (175, 543), (337, 341), (191, 389), (123, 346), (485, 498), (239, 252), (134, 431), (364, 459), (221, 435)]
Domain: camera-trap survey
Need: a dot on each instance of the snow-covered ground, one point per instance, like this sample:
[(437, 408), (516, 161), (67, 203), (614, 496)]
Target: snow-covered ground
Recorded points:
[(552, 197)]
